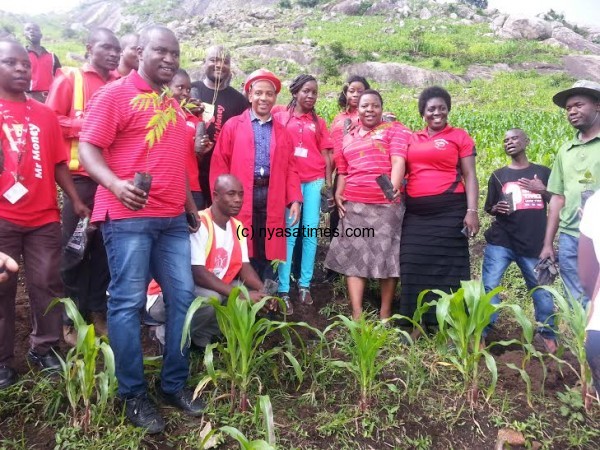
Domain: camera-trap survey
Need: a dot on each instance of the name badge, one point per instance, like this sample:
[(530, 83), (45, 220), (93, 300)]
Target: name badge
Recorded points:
[(209, 112), (15, 193), (301, 152)]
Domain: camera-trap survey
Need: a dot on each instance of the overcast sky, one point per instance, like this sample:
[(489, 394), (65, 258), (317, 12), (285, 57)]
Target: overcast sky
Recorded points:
[(585, 12)]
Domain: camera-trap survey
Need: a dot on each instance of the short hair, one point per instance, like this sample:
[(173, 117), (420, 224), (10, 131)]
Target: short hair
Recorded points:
[(182, 72), (433, 92), (98, 33), (372, 92), (146, 33), (129, 36), (342, 100)]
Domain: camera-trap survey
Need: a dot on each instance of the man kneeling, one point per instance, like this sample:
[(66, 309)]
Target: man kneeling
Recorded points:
[(219, 260)]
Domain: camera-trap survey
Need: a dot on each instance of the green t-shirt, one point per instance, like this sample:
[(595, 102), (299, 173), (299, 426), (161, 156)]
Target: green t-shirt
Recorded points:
[(572, 161)]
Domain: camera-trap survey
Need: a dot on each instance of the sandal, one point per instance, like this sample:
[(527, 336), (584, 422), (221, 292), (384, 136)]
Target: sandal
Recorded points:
[(289, 307), (305, 296)]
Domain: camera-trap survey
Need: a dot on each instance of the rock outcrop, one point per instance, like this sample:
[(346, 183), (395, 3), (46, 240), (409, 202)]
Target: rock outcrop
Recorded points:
[(399, 73)]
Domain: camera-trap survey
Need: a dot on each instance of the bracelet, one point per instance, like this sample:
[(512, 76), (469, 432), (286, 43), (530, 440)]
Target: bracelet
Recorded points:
[(472, 210)]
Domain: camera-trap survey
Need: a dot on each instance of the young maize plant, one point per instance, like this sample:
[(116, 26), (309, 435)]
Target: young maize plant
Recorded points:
[(462, 318), (85, 382), (368, 338), (244, 333), (573, 316)]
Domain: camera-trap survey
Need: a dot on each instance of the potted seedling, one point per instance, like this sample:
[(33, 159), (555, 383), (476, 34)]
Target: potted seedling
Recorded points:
[(165, 113), (589, 183)]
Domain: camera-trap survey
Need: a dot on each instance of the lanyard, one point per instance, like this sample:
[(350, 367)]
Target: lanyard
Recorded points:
[(300, 130), (17, 136)]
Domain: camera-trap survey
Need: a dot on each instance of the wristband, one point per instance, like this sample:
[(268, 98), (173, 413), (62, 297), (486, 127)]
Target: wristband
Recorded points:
[(472, 210)]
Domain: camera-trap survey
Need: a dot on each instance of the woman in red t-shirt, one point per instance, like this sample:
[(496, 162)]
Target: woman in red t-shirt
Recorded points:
[(345, 121), (312, 148), (441, 206), (367, 244)]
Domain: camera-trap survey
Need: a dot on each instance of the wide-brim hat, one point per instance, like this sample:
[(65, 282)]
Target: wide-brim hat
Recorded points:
[(259, 75), (581, 87)]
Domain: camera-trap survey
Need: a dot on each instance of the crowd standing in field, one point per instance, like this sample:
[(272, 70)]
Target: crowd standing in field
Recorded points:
[(265, 168)]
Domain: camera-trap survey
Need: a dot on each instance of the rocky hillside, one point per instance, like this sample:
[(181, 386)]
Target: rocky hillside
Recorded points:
[(413, 42)]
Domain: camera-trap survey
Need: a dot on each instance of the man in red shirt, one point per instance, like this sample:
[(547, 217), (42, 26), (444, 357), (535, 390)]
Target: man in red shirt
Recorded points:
[(43, 63), (145, 233), (129, 60), (71, 91), (29, 216), (259, 152)]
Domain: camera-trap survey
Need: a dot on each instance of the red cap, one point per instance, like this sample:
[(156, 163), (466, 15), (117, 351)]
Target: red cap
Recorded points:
[(262, 74)]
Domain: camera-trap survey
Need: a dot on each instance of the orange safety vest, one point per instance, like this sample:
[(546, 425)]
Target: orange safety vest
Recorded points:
[(78, 106), (235, 261)]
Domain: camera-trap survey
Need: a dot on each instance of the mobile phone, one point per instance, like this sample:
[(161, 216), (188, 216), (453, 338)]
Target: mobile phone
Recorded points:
[(386, 186), (192, 220), (465, 231)]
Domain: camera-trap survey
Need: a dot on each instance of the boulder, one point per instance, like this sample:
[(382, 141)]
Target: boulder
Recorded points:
[(302, 55), (583, 66), (532, 28), (383, 7), (574, 41), (264, 13), (498, 22), (552, 42), (399, 73), (348, 7), (475, 71), (425, 14)]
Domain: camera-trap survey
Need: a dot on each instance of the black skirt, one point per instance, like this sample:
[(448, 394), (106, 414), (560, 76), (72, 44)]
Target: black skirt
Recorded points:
[(434, 254)]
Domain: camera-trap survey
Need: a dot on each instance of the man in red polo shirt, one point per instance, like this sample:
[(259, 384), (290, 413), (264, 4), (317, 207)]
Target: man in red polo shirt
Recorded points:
[(259, 152), (72, 89), (145, 233), (29, 217), (43, 63)]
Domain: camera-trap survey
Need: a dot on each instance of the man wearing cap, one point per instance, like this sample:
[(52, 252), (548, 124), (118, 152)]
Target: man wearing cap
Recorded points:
[(575, 161), (260, 153)]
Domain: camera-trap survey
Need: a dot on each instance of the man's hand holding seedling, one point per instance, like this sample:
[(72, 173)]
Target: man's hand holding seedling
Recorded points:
[(131, 197)]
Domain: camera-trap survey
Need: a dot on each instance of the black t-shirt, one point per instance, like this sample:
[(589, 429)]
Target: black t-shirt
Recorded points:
[(229, 103), (523, 230)]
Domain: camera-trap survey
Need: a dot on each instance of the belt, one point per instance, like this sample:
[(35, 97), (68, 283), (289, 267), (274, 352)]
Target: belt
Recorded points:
[(261, 182)]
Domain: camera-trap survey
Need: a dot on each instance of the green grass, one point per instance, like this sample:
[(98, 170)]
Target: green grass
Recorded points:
[(440, 45)]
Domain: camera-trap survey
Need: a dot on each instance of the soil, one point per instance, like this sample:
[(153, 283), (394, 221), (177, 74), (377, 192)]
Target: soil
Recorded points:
[(473, 429)]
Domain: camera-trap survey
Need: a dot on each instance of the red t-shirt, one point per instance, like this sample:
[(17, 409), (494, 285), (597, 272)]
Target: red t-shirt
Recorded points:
[(113, 125), (364, 157), (433, 162), (60, 100), (337, 127), (193, 171), (42, 70), (30, 133), (309, 140)]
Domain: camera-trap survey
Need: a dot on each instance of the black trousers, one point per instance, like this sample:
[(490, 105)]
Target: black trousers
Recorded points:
[(87, 282)]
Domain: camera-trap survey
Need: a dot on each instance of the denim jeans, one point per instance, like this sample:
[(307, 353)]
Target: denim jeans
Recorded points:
[(567, 264), (138, 250), (311, 193), (496, 260)]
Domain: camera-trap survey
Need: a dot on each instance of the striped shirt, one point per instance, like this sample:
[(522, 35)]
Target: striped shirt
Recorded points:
[(262, 145), (114, 125), (363, 158)]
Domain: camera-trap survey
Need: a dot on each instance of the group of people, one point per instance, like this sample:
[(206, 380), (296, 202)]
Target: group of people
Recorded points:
[(233, 177)]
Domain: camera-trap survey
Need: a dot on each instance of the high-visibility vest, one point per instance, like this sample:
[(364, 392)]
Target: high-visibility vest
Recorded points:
[(235, 260), (78, 106)]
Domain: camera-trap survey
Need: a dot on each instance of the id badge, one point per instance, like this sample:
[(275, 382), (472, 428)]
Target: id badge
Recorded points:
[(15, 193), (301, 152), (209, 112)]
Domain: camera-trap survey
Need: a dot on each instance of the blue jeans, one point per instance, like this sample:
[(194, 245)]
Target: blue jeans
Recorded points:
[(496, 260), (311, 193), (139, 249), (568, 247)]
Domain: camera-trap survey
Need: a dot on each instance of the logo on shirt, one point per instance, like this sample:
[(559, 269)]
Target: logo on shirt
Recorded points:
[(440, 143)]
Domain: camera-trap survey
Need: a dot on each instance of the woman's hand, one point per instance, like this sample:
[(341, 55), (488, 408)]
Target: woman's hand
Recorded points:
[(339, 201), (471, 221)]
